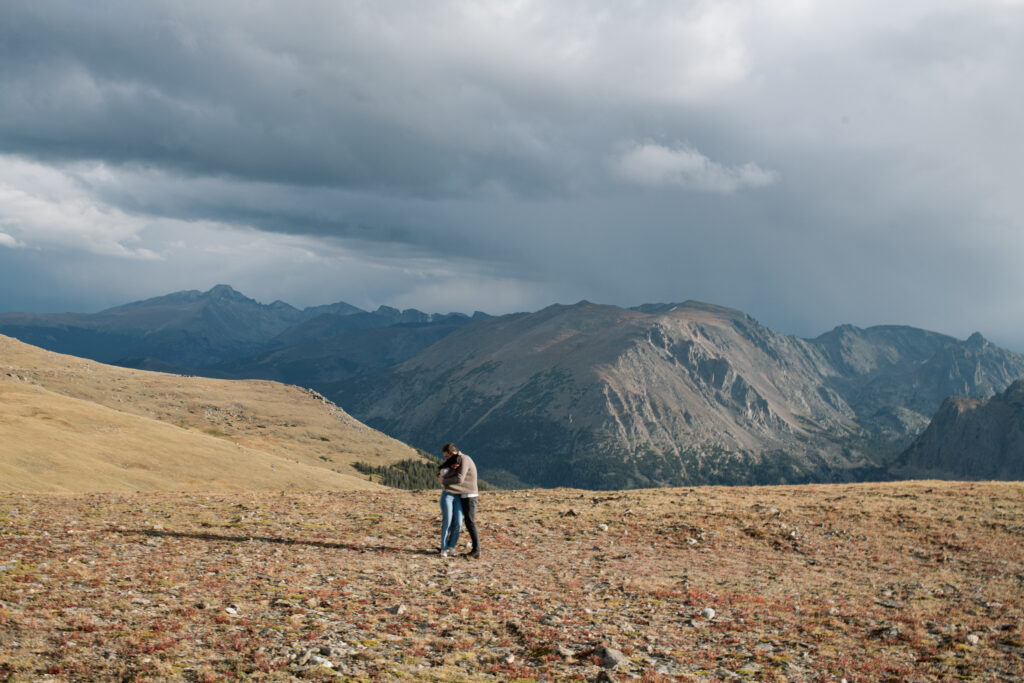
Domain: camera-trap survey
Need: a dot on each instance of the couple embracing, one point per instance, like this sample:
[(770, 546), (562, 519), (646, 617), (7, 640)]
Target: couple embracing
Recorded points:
[(457, 475)]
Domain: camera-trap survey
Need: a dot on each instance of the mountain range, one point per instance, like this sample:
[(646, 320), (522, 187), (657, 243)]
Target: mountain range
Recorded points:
[(196, 332), (605, 397), (584, 395)]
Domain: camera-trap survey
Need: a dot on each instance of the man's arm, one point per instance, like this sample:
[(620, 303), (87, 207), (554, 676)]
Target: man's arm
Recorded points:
[(457, 476)]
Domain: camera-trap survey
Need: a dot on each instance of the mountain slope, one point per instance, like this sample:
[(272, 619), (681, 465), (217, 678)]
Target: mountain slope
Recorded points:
[(325, 360), (971, 439), (605, 397), (73, 424)]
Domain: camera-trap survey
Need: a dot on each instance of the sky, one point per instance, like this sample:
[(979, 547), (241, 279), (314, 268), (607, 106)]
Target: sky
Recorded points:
[(809, 163)]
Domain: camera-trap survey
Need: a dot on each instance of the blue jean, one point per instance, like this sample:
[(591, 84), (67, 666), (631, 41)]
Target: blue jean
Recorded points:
[(451, 520)]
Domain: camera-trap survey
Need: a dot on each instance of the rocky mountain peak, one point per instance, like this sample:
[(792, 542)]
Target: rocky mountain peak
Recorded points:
[(227, 293), (976, 341)]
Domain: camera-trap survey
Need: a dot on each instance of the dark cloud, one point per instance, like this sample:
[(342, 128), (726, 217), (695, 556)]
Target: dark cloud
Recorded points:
[(812, 166)]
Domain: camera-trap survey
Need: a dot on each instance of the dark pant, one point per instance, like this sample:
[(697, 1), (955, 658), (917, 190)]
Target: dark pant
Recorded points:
[(469, 518)]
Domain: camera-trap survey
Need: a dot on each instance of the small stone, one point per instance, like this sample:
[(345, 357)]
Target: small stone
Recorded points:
[(708, 613), (321, 661), (398, 610), (231, 609), (565, 652), (602, 527), (509, 658), (610, 657), (973, 640)]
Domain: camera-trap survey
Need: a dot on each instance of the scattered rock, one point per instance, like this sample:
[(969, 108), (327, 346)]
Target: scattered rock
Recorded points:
[(398, 610), (708, 613), (973, 640), (887, 633), (602, 527), (610, 657), (317, 660)]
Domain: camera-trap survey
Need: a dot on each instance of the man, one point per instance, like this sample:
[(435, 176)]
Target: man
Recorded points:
[(461, 479)]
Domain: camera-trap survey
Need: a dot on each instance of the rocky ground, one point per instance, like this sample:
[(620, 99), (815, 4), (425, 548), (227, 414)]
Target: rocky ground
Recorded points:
[(912, 581)]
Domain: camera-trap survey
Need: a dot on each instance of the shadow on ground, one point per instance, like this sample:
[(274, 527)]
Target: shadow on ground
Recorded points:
[(208, 536)]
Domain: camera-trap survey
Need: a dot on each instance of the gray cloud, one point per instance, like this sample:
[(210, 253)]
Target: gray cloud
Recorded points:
[(684, 166), (810, 165)]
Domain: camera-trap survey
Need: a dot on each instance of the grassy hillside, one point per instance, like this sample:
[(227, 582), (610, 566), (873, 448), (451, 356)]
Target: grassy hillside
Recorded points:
[(68, 424)]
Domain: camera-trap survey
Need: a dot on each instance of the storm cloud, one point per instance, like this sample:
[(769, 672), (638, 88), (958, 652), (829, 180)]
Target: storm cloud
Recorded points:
[(809, 164)]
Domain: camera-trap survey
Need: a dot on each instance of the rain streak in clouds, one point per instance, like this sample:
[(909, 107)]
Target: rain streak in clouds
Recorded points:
[(809, 165)]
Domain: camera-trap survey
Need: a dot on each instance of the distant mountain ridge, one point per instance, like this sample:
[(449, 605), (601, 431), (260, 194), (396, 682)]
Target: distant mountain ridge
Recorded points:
[(189, 331)]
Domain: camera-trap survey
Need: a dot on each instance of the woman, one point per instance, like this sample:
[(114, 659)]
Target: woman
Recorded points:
[(451, 505)]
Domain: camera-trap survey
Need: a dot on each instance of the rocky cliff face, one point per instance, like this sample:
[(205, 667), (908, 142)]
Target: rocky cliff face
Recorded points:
[(896, 377), (971, 439), (605, 397)]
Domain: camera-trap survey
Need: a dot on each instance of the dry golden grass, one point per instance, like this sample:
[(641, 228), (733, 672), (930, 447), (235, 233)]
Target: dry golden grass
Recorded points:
[(68, 424), (917, 581)]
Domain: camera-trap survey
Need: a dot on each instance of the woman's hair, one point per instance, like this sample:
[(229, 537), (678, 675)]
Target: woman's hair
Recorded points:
[(452, 451)]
